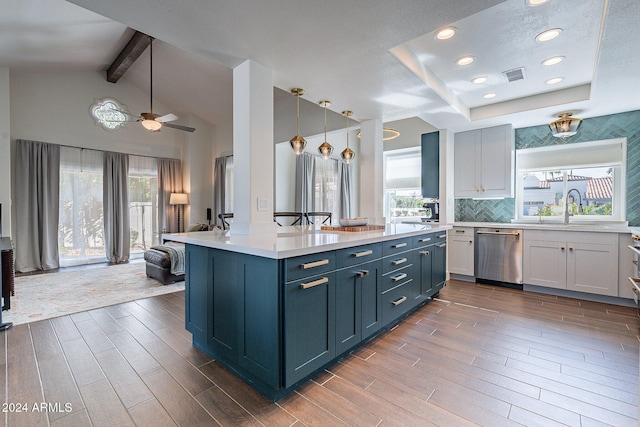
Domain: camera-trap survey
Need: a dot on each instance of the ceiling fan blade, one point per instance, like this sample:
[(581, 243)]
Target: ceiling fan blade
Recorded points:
[(167, 118), (170, 125)]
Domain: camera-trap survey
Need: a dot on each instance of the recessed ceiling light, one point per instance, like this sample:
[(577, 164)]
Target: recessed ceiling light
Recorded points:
[(554, 80), (446, 33), (489, 95), (479, 80), (545, 36), (536, 2), (553, 60), (465, 60)]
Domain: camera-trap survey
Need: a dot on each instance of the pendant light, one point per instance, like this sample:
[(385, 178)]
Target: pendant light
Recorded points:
[(297, 142), (325, 149), (347, 154), (565, 126)]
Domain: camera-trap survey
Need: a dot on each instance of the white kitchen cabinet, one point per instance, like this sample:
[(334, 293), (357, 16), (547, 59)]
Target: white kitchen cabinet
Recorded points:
[(484, 162), (576, 261), (461, 243)]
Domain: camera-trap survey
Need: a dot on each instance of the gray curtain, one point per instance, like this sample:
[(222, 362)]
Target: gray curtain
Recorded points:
[(169, 181), (117, 235), (219, 185), (37, 188), (346, 189), (305, 182)]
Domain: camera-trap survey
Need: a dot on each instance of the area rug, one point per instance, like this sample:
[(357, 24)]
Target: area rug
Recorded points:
[(44, 296)]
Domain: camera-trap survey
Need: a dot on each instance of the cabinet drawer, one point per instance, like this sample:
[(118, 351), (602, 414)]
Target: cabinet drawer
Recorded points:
[(424, 240), (396, 262), (358, 254), (441, 236), (309, 265), (398, 277), (395, 246), (396, 302)]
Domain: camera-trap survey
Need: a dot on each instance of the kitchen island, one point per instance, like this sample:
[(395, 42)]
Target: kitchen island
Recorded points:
[(277, 308)]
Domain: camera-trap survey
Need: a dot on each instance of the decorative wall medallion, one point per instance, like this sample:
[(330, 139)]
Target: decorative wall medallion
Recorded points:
[(108, 113)]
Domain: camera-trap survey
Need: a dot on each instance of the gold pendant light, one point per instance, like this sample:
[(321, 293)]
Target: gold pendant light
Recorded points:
[(325, 149), (347, 154), (297, 142)]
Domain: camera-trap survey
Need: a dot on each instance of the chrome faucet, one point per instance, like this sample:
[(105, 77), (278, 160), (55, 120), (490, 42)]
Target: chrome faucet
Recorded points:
[(566, 205)]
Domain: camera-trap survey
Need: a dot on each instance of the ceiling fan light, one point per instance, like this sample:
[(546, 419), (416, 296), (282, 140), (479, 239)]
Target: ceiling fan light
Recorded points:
[(151, 125), (565, 126)]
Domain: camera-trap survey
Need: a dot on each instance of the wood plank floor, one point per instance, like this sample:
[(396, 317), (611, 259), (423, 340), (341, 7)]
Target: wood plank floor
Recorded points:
[(478, 355)]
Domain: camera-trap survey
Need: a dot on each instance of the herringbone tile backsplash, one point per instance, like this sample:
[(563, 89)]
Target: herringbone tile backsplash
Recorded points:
[(593, 129)]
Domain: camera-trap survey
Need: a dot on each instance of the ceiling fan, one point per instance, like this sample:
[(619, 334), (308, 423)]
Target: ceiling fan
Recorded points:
[(150, 120)]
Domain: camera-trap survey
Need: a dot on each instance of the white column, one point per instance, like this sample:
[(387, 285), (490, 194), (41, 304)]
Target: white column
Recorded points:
[(253, 149), (5, 152), (371, 172)]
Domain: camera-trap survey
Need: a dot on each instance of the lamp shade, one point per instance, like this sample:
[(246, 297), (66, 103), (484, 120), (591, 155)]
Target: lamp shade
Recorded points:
[(179, 199)]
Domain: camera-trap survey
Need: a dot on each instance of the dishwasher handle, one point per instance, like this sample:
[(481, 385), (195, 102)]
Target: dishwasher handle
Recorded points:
[(499, 233)]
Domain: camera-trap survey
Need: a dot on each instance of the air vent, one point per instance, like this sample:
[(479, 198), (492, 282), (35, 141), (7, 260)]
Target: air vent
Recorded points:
[(514, 75)]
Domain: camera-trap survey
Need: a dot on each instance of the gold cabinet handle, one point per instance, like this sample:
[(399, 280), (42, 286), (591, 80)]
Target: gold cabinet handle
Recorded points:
[(314, 264), (399, 277), (470, 241), (399, 301), (635, 262), (460, 231), (426, 239), (399, 245), (424, 252), (314, 283), (363, 273), (363, 253), (399, 261), (570, 249)]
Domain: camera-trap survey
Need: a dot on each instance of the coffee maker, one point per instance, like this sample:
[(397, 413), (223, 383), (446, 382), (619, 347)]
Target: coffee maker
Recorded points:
[(431, 211)]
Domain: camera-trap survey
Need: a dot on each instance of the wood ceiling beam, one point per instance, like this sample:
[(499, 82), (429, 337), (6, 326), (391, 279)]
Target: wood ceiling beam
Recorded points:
[(125, 59)]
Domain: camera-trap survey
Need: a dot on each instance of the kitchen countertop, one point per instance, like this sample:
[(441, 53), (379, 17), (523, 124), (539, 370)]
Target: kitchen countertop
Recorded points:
[(598, 228), (299, 240)]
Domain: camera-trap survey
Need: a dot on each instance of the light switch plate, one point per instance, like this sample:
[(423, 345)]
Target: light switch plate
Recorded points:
[(263, 204)]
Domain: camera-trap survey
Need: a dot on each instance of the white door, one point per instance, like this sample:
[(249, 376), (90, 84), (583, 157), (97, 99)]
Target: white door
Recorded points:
[(466, 159), (592, 268), (496, 170), (545, 264)]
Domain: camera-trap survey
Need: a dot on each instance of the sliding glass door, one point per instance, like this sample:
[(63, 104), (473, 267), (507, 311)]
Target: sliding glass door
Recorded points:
[(81, 223), (143, 203)]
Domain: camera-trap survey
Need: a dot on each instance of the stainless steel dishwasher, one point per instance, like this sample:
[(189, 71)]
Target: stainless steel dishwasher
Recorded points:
[(498, 255)]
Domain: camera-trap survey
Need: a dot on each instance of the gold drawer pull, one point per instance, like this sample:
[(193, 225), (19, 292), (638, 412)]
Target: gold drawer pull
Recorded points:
[(635, 262), (363, 253), (315, 264), (424, 252), (399, 301), (427, 239), (399, 261), (460, 231), (363, 273), (399, 245), (399, 277), (314, 283)]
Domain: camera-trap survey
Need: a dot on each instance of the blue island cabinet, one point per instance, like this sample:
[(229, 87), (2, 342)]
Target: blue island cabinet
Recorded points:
[(276, 322)]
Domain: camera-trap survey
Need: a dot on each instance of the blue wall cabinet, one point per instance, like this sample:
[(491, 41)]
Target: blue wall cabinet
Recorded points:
[(430, 178)]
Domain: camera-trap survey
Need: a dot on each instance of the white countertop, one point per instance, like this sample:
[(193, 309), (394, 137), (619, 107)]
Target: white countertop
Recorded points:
[(299, 240), (591, 227)]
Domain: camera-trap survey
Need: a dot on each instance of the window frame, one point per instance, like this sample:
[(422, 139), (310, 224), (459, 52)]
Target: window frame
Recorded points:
[(614, 154)]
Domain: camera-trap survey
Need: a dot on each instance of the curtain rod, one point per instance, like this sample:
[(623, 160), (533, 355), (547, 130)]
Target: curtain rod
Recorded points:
[(104, 151)]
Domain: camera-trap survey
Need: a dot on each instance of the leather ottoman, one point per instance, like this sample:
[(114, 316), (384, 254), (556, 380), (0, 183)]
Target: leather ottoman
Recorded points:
[(159, 267)]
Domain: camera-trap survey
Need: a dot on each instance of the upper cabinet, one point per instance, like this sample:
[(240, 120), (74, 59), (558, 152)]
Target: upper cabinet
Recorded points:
[(483, 163), (430, 145)]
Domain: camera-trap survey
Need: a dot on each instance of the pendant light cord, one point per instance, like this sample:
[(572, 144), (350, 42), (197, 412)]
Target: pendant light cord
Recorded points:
[(297, 113), (151, 74)]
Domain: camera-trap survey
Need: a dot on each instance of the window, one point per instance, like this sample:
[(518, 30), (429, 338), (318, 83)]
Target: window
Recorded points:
[(81, 221), (326, 193), (228, 185), (143, 203), (587, 179), (403, 188)]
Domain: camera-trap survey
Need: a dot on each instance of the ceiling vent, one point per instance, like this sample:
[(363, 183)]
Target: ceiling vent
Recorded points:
[(514, 75)]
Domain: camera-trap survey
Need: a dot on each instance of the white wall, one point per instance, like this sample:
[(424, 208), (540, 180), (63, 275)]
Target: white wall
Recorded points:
[(5, 158), (197, 165)]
